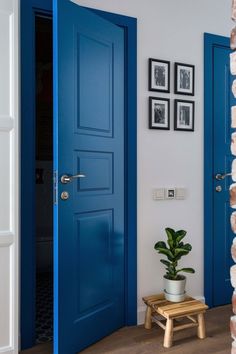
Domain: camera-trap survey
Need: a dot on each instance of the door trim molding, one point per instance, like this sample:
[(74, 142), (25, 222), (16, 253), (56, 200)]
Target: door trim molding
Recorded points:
[(210, 41), (28, 244)]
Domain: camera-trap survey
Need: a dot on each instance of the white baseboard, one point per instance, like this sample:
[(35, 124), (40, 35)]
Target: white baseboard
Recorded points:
[(142, 309), (200, 298), (141, 314)]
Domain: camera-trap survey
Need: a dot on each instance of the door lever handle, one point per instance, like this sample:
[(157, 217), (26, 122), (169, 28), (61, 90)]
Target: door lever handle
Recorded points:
[(67, 179), (219, 176)]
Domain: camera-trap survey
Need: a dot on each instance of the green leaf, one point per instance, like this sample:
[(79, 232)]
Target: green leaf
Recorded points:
[(186, 270), (166, 252), (170, 231), (171, 237), (180, 235), (167, 263), (179, 252), (160, 244), (172, 269), (187, 247)]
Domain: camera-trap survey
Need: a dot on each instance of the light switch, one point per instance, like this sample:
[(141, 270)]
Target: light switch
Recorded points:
[(180, 193), (170, 193), (159, 194)]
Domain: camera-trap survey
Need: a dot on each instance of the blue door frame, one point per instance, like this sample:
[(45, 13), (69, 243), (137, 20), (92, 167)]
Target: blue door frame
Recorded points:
[(29, 9), (210, 41)]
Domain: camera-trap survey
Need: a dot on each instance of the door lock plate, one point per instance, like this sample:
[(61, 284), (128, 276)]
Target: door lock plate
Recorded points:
[(65, 195)]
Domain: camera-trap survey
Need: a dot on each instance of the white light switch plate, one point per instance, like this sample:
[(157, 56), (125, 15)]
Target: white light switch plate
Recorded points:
[(180, 193), (159, 194)]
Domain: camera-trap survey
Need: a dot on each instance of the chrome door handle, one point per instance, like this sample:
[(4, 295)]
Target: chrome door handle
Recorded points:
[(219, 176), (67, 179)]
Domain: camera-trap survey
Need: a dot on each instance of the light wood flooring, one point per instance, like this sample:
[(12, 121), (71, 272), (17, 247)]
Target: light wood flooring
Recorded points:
[(137, 340)]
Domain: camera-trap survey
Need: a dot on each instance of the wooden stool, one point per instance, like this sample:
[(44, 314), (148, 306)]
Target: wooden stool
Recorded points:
[(157, 305)]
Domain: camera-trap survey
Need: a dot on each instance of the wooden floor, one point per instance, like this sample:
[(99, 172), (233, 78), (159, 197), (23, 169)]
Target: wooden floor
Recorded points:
[(137, 340)]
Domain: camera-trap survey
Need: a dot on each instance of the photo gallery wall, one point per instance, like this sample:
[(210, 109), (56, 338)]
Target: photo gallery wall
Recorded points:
[(159, 107)]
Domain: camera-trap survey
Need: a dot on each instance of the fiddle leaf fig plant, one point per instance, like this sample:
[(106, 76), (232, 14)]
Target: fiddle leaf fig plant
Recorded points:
[(174, 250)]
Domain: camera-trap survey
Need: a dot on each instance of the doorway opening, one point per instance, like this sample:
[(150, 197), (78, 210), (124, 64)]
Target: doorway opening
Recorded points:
[(43, 180), (218, 235)]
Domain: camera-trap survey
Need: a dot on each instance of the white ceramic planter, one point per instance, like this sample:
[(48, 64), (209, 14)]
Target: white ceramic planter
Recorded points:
[(174, 289)]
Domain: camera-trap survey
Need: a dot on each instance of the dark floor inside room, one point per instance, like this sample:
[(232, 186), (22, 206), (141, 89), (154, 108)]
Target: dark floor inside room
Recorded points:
[(44, 306)]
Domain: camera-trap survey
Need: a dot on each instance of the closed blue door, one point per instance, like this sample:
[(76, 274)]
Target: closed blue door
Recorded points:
[(222, 160), (88, 139)]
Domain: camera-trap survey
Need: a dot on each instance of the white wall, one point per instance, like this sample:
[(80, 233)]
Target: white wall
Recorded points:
[(171, 30)]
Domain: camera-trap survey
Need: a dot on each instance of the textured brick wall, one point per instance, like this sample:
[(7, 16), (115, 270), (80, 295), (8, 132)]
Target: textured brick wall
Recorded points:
[(233, 186)]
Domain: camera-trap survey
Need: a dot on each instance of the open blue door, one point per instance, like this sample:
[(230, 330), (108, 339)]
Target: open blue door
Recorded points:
[(222, 159), (88, 211)]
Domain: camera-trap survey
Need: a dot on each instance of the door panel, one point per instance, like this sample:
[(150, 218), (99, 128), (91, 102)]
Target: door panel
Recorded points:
[(102, 163), (223, 99), (95, 228), (88, 139), (98, 77)]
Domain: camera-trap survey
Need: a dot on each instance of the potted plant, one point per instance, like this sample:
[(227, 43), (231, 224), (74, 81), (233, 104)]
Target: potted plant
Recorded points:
[(174, 250)]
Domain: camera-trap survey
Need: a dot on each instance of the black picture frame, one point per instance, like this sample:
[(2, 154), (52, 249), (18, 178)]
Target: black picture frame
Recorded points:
[(184, 114), (159, 113), (159, 75), (184, 79)]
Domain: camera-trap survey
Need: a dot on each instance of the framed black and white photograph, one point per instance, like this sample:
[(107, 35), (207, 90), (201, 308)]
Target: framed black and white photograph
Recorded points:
[(159, 113), (184, 79), (159, 75), (184, 115)]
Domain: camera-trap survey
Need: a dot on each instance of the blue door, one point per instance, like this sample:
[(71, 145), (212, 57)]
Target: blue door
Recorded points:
[(89, 211), (222, 159)]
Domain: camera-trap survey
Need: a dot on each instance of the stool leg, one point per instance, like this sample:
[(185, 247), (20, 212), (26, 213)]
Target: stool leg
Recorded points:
[(201, 331), (148, 318), (168, 333)]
